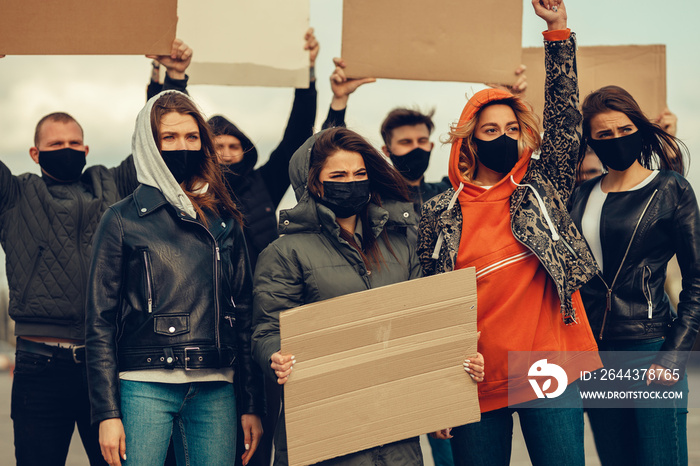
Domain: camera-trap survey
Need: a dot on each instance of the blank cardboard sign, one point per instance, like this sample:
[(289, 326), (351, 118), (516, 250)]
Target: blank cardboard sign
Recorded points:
[(441, 40), (379, 366), (85, 27), (239, 42), (639, 69)]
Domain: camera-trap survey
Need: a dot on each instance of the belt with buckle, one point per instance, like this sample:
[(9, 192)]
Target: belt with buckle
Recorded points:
[(187, 358), (74, 353)]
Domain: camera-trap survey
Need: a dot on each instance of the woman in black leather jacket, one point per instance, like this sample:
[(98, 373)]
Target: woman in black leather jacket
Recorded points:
[(169, 303), (635, 218)]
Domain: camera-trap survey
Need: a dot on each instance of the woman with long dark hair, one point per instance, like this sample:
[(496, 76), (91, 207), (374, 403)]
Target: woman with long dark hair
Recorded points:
[(635, 218), (347, 233), (169, 303)]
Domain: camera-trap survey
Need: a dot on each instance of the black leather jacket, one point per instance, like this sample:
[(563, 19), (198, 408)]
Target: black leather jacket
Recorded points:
[(640, 231), (166, 292)]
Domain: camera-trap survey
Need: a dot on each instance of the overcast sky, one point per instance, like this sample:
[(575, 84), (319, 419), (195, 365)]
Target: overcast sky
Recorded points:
[(106, 93)]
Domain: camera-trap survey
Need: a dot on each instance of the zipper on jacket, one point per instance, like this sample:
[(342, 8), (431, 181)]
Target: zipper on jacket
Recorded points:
[(230, 319), (622, 262), (217, 258), (646, 290), (149, 282), (35, 266)]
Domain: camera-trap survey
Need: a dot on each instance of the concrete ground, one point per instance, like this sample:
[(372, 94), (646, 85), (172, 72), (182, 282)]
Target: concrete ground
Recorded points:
[(76, 456)]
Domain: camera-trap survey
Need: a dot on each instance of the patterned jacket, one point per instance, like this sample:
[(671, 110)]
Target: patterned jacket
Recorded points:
[(539, 217)]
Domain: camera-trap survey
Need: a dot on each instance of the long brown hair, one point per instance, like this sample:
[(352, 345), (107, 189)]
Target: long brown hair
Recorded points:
[(529, 134), (659, 149), (217, 198), (385, 183)]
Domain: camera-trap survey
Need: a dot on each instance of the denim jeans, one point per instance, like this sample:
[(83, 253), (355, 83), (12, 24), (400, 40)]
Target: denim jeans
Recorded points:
[(202, 414), (637, 434), (49, 397), (553, 435), (442, 451)]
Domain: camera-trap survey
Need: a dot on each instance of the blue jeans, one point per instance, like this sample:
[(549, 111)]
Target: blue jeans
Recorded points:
[(637, 434), (442, 451), (553, 435), (202, 414), (49, 398)]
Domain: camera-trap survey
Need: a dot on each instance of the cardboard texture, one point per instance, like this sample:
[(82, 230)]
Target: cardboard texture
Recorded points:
[(244, 43), (86, 27), (445, 40), (639, 69), (379, 366)]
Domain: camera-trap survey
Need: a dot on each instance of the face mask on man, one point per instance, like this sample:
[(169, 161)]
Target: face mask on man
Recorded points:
[(618, 153), (63, 164), (182, 163), (412, 165), (499, 155), (345, 199)]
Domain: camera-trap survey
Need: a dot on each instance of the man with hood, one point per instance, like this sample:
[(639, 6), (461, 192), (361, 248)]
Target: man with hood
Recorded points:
[(46, 228), (260, 191)]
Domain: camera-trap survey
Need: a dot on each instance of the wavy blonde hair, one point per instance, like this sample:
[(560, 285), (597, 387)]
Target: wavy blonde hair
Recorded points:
[(529, 134)]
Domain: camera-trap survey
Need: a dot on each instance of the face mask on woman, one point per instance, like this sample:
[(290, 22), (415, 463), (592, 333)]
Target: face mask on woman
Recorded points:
[(413, 164), (63, 164), (499, 155), (181, 163), (618, 153), (345, 199)]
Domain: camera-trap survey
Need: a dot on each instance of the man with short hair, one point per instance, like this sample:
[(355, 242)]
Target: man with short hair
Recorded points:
[(46, 228)]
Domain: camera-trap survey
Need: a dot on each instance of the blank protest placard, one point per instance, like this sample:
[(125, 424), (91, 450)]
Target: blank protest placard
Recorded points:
[(379, 366), (441, 40), (639, 69), (244, 43), (87, 27)]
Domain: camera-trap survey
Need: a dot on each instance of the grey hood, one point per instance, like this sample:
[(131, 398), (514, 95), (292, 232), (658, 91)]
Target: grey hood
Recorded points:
[(150, 167), (310, 215)]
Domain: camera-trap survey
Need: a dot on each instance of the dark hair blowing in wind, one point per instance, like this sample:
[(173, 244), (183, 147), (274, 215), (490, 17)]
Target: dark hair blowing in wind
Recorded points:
[(217, 198), (659, 149), (385, 183)]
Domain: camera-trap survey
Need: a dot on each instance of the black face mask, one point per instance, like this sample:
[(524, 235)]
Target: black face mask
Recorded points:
[(499, 155), (413, 164), (618, 153), (63, 164), (182, 163), (345, 199)]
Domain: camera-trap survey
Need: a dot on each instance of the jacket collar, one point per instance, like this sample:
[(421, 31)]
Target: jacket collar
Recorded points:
[(148, 199)]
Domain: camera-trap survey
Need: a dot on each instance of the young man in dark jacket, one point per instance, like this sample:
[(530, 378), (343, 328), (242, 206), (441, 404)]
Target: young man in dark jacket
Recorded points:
[(46, 228), (258, 193)]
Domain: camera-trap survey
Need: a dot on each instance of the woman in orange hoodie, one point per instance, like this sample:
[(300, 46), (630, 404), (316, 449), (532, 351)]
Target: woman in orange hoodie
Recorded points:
[(506, 216)]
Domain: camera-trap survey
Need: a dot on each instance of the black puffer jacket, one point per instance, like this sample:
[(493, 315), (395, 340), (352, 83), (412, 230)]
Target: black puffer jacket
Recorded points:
[(161, 282), (640, 231), (46, 230), (258, 192)]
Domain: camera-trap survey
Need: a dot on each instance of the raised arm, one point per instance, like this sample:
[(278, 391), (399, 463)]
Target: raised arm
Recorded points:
[(9, 187), (562, 118), (341, 87), (275, 173)]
